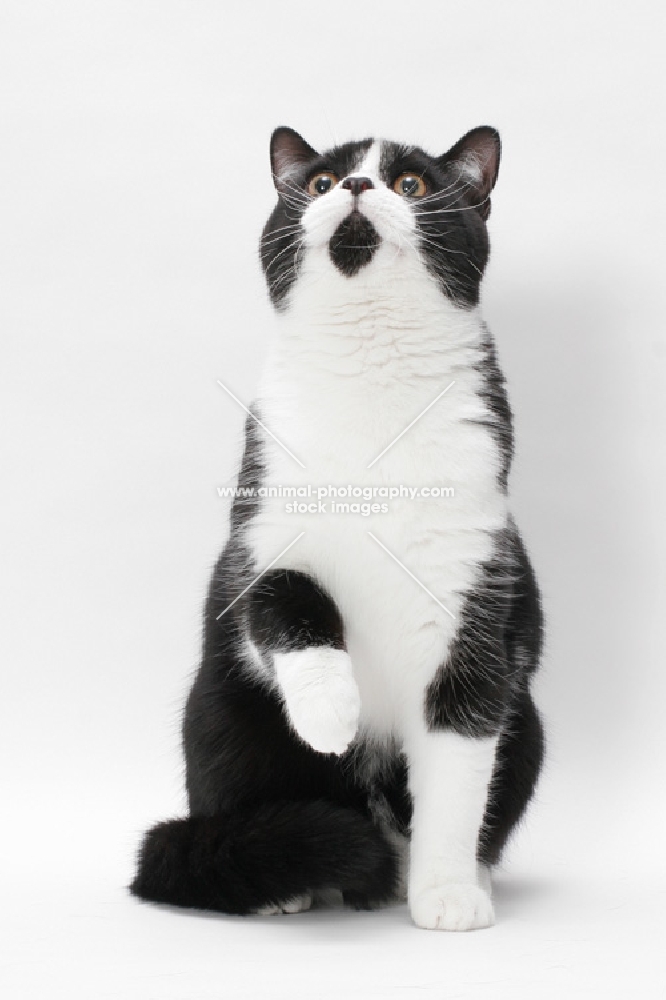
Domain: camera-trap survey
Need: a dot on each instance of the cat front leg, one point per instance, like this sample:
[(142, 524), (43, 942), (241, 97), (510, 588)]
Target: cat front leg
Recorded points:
[(449, 776), (296, 626)]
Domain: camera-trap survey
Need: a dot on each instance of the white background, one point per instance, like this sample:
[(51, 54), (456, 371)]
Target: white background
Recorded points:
[(134, 181)]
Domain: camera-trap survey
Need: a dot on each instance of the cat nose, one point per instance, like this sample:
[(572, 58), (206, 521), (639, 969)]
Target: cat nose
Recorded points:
[(357, 185)]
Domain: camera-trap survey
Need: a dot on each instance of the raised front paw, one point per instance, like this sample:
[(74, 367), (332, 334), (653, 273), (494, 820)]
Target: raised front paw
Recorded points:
[(452, 907), (320, 696)]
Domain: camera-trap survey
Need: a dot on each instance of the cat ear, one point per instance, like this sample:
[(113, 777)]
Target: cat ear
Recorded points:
[(289, 151), (477, 155)]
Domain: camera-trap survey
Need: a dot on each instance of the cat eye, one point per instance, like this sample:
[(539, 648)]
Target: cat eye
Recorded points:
[(322, 183), (410, 186)]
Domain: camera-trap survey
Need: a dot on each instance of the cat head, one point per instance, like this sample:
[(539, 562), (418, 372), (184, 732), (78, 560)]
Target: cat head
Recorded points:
[(373, 207)]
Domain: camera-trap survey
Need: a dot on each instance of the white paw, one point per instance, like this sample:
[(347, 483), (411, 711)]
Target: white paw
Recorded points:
[(294, 905), (452, 907), (321, 696)]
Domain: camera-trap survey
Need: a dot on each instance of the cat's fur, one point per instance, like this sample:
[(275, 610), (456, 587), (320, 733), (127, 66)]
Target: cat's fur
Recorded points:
[(362, 720)]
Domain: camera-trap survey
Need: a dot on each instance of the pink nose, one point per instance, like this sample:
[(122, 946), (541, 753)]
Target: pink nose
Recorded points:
[(357, 185)]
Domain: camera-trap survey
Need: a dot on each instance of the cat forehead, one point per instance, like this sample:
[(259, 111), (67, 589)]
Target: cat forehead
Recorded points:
[(374, 156)]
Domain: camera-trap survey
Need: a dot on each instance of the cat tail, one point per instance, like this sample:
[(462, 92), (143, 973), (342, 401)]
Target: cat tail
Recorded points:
[(242, 862)]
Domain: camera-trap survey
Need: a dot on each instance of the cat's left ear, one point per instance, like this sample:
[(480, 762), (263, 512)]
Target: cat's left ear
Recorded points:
[(289, 151), (477, 155)]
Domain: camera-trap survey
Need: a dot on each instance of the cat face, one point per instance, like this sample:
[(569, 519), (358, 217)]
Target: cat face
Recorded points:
[(374, 207)]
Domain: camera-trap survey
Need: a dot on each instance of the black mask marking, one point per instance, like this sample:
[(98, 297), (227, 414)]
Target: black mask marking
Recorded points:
[(353, 243)]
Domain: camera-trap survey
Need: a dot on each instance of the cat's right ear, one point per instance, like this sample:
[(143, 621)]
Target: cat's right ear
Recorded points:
[(476, 157), (289, 151)]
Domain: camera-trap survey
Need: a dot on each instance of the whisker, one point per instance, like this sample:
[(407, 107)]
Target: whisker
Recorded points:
[(278, 239), (451, 211)]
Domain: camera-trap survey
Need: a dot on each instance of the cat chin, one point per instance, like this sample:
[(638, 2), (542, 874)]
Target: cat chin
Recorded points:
[(353, 244)]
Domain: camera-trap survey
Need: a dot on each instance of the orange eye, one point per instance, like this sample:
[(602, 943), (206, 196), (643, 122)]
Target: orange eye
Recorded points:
[(410, 186), (322, 183)]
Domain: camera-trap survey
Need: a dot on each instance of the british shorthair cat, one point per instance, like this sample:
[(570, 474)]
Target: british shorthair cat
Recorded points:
[(361, 723)]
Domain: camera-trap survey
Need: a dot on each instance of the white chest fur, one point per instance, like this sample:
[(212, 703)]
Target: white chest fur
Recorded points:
[(340, 385)]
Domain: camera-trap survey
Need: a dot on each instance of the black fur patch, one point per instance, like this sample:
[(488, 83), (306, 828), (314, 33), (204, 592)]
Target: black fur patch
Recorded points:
[(518, 761), (239, 862), (250, 477), (353, 244), (235, 569), (390, 800), (288, 610), (493, 393), (496, 645)]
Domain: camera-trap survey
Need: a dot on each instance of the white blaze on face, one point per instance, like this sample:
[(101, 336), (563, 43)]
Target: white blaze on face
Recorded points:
[(389, 212), (370, 164)]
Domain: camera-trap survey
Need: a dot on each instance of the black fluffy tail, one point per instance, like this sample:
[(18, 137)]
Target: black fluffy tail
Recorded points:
[(239, 863)]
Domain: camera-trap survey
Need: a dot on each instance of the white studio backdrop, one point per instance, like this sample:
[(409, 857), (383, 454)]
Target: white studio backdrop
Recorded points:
[(134, 181)]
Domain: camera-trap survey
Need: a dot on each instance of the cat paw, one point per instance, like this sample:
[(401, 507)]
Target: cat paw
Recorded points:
[(294, 905), (452, 907), (321, 696)]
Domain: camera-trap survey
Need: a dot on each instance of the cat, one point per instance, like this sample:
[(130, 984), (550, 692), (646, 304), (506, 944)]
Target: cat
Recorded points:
[(361, 723)]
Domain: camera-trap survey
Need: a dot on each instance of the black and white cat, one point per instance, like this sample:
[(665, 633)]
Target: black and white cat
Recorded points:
[(362, 720)]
